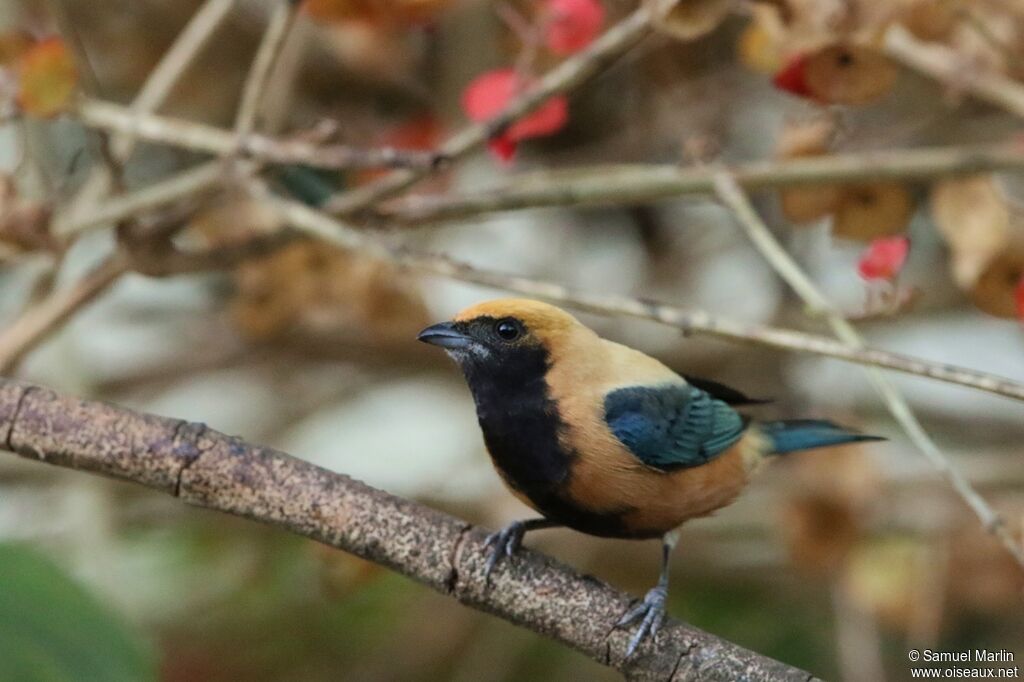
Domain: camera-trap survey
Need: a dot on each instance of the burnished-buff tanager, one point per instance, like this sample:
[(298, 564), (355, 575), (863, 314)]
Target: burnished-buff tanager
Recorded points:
[(604, 439)]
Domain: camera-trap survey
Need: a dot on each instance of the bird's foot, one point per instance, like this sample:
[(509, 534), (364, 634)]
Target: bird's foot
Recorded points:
[(503, 543), (651, 614)]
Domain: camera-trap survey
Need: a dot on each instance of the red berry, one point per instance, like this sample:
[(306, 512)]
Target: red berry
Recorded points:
[(489, 94), (1019, 296), (572, 24), (884, 258), (503, 148), (792, 77)]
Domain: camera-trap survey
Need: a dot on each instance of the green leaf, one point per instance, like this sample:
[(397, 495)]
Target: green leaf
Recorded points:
[(52, 630)]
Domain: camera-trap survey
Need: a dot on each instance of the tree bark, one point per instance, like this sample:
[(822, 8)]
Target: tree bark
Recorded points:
[(212, 470)]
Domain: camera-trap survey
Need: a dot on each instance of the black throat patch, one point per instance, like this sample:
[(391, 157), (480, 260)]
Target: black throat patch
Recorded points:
[(522, 427)]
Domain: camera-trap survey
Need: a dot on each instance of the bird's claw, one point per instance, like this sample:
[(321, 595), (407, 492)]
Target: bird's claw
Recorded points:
[(651, 614), (503, 543)]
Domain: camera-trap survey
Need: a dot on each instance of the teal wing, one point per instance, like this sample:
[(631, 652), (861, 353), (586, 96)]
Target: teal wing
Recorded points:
[(672, 426)]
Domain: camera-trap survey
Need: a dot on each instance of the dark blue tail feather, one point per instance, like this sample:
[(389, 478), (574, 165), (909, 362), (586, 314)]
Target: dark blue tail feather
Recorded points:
[(804, 434)]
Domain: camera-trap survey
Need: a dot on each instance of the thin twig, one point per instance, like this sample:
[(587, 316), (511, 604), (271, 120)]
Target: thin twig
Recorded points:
[(44, 317), (188, 183), (177, 60), (199, 137), (281, 21), (90, 83), (948, 68), (569, 74), (620, 184), (735, 199), (322, 226), (158, 85), (209, 469)]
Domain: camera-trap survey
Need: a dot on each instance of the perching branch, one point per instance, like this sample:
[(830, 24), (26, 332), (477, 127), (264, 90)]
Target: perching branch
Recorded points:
[(319, 225), (733, 197), (211, 470), (632, 184)]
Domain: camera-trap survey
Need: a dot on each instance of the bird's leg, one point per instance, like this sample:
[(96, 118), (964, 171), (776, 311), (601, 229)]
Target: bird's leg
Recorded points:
[(651, 611), (506, 541)]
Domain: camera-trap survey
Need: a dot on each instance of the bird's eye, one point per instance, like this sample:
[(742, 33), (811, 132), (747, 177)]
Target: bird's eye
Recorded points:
[(508, 330)]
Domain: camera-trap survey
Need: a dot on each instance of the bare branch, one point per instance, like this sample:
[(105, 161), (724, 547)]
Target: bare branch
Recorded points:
[(40, 320), (732, 196), (622, 184), (948, 68), (262, 69), (177, 60), (569, 74), (154, 92), (189, 183), (199, 137), (322, 226), (209, 469)]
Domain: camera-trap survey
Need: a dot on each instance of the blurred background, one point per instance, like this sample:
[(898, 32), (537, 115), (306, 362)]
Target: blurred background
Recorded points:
[(837, 562)]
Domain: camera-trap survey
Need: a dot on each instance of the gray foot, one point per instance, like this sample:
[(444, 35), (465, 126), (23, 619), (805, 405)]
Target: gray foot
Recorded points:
[(651, 614), (503, 543)]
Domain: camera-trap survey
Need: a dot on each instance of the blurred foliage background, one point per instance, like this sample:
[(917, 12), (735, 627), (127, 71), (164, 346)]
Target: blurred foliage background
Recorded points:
[(837, 562)]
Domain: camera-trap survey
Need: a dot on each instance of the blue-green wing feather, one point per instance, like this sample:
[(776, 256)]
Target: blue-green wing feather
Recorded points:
[(672, 426)]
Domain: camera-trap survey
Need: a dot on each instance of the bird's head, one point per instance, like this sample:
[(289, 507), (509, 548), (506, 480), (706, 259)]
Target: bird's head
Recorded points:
[(510, 338)]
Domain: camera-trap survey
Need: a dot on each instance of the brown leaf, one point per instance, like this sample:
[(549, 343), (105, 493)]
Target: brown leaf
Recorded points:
[(14, 44), (802, 139), (866, 212), (844, 73), (24, 224), (317, 288), (931, 20), (995, 291), (825, 519)]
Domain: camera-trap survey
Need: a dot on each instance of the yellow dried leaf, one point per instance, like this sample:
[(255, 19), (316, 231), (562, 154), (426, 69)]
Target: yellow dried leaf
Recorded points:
[(885, 578), (844, 73), (759, 49), (972, 216), (47, 78), (690, 19), (866, 212)]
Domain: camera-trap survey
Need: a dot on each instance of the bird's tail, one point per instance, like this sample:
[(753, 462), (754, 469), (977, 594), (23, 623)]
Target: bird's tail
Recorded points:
[(794, 435)]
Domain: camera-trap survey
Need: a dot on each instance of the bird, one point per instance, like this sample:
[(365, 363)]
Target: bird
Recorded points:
[(604, 439)]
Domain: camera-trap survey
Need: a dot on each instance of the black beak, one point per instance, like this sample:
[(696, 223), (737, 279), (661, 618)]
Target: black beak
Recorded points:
[(444, 335)]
